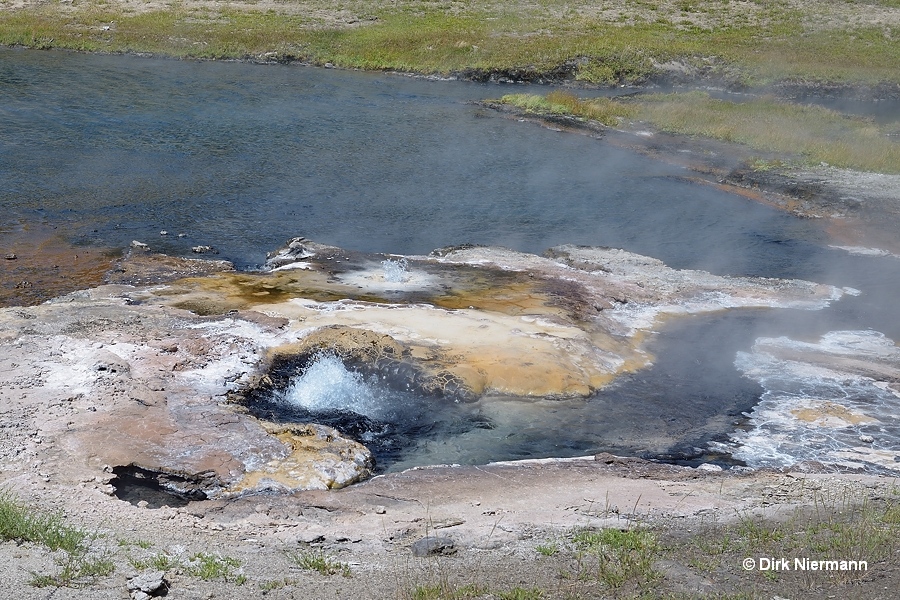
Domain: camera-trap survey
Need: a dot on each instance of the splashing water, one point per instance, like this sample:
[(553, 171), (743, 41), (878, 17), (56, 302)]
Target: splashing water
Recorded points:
[(819, 410), (328, 385), (395, 271)]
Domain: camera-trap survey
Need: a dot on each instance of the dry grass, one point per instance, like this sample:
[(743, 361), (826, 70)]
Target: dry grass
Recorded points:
[(816, 134), (803, 133)]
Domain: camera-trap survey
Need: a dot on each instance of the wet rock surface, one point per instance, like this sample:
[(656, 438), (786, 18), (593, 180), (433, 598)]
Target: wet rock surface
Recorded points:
[(120, 375)]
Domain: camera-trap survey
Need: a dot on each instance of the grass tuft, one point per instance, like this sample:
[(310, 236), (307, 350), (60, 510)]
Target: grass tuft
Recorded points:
[(603, 110), (77, 563), (319, 562)]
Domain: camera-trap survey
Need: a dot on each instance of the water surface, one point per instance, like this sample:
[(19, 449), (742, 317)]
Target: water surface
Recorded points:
[(241, 157)]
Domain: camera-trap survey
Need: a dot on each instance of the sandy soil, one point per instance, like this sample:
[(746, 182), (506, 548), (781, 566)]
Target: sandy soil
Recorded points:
[(496, 516)]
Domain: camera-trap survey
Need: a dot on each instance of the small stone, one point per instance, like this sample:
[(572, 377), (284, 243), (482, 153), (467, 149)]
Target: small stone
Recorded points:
[(380, 510), (181, 235), (867, 439), (139, 245), (709, 467), (150, 584), (163, 232), (143, 504), (202, 249), (11, 256), (431, 546)]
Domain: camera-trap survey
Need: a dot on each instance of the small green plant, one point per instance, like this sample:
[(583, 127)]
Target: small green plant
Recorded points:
[(446, 591), (616, 557), (518, 593), (320, 562), (212, 566), (275, 584), (21, 524), (547, 549)]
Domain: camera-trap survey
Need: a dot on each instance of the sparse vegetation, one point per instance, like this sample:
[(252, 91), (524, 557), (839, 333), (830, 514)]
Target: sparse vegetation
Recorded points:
[(634, 562), (614, 557), (75, 558), (311, 560), (813, 133), (810, 134)]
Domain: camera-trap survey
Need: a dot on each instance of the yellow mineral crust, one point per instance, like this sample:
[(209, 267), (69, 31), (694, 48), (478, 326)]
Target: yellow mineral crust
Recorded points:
[(317, 458)]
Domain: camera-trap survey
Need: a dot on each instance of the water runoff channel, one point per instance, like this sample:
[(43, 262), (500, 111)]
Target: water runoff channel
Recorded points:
[(241, 157)]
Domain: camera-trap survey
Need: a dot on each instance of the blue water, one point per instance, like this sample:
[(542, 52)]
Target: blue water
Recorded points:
[(242, 157)]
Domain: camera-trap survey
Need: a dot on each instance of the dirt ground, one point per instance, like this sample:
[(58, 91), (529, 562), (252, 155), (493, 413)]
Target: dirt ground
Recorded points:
[(498, 517)]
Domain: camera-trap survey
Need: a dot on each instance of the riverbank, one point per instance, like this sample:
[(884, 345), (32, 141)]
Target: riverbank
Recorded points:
[(737, 43)]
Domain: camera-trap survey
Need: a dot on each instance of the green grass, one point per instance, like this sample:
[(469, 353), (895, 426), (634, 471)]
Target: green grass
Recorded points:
[(813, 133), (804, 134), (602, 110), (755, 43), (616, 558), (77, 563), (203, 565), (320, 562), (208, 566)]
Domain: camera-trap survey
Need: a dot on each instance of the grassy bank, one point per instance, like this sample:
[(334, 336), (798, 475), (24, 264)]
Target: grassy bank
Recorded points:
[(620, 41), (803, 134)]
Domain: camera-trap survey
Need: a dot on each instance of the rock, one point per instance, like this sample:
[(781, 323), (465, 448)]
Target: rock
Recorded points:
[(11, 256), (202, 249), (709, 467), (431, 546), (318, 458), (148, 585), (139, 245), (380, 510), (163, 232), (867, 439)]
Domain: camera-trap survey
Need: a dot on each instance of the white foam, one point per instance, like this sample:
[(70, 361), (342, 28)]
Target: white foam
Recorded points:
[(863, 251), (389, 276), (821, 398)]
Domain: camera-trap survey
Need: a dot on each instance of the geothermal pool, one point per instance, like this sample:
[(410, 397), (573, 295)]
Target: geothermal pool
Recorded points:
[(111, 149)]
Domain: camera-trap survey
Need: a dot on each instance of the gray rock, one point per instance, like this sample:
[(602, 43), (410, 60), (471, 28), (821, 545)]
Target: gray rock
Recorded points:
[(430, 546), (148, 584)]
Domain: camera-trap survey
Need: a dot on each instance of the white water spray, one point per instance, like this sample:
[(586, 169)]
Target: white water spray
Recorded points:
[(328, 385), (395, 271)]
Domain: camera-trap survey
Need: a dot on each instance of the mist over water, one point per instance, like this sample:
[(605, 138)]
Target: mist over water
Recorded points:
[(241, 157)]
